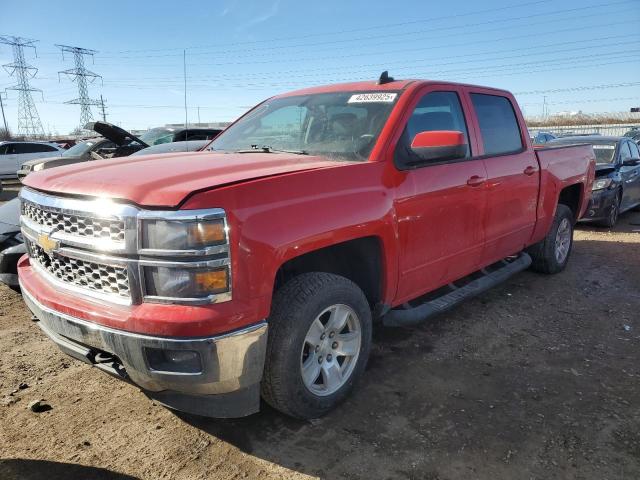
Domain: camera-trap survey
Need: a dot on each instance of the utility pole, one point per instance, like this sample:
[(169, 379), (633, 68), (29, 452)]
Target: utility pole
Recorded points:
[(198, 113), (28, 119), (104, 115), (4, 119), (544, 107), (184, 71), (81, 76)]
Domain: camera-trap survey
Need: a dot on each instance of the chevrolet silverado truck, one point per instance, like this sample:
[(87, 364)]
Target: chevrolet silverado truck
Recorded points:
[(258, 267)]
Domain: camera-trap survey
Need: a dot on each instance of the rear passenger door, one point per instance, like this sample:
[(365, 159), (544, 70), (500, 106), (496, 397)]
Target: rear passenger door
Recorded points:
[(440, 206), (630, 176), (513, 175)]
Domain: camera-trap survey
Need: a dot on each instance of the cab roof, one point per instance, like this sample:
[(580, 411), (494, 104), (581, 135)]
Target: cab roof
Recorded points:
[(374, 86)]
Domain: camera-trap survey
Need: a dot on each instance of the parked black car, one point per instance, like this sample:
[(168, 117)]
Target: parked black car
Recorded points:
[(12, 245), (616, 188)]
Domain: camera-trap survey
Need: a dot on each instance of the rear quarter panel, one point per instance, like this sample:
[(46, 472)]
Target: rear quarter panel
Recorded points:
[(561, 167)]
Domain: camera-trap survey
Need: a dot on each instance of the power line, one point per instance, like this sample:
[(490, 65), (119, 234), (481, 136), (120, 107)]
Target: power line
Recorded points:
[(354, 30), (80, 75), (463, 72), (580, 88), (272, 50), (430, 47), (28, 119), (484, 56)]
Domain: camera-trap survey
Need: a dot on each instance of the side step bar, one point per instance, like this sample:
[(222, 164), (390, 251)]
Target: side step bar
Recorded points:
[(403, 317)]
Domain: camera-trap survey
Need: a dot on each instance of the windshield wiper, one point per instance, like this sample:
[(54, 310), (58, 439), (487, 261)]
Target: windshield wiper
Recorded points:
[(269, 149)]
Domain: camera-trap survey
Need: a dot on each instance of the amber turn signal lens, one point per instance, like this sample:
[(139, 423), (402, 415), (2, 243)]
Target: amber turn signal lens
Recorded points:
[(212, 281), (208, 233)]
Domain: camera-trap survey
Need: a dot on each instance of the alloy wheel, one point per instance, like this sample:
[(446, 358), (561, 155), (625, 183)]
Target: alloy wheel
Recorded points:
[(331, 350)]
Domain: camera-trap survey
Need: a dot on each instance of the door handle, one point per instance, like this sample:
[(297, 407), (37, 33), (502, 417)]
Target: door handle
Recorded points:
[(475, 181), (530, 170)]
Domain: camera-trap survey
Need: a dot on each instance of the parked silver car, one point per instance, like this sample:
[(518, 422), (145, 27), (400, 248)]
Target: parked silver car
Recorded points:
[(14, 154)]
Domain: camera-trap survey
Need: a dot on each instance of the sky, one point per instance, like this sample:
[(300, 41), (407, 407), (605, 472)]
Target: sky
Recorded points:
[(560, 55)]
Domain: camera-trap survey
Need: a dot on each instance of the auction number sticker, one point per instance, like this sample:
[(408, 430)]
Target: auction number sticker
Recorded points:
[(604, 147), (380, 97)]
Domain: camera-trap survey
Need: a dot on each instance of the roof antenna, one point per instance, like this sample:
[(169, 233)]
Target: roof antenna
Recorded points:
[(385, 78)]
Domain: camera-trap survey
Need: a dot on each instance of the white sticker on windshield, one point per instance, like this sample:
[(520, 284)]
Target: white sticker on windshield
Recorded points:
[(604, 147), (383, 97)]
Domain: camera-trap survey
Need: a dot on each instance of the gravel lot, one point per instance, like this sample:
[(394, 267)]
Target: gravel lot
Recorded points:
[(538, 378)]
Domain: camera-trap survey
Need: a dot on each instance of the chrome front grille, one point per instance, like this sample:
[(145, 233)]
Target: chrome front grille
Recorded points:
[(95, 247), (77, 225), (107, 279)]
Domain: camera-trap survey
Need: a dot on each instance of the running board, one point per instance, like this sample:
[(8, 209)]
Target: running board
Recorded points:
[(403, 317)]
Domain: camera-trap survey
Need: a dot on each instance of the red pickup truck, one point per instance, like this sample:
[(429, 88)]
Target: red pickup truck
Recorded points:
[(258, 267)]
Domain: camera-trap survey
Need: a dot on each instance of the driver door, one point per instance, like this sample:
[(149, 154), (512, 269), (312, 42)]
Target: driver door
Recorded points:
[(440, 207)]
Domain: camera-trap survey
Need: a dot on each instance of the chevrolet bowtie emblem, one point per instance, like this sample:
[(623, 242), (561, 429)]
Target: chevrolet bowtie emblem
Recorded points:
[(47, 243)]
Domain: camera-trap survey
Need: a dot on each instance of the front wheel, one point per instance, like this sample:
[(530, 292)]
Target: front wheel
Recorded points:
[(318, 345), (552, 253), (614, 212)]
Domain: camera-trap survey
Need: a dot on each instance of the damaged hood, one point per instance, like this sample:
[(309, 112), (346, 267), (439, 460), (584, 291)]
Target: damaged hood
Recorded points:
[(166, 180), (117, 135)]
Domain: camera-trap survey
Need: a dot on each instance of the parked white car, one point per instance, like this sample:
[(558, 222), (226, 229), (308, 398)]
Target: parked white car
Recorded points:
[(14, 154)]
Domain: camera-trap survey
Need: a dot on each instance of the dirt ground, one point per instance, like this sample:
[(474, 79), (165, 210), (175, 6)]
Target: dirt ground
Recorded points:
[(536, 379)]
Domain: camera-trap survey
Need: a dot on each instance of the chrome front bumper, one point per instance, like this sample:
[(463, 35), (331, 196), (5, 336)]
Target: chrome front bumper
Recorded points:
[(228, 384)]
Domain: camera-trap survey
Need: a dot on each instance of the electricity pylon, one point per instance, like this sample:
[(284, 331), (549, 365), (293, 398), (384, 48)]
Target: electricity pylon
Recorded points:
[(29, 123), (81, 76)]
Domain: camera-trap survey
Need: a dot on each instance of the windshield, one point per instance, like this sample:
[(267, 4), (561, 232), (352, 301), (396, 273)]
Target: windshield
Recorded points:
[(343, 125), (156, 136), (79, 149), (604, 153)]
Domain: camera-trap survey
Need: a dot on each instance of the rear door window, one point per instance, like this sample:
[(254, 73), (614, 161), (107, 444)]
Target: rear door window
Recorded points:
[(498, 124)]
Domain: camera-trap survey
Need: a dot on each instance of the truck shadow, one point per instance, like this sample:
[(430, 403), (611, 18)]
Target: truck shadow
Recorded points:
[(25, 469), (472, 383), (306, 446)]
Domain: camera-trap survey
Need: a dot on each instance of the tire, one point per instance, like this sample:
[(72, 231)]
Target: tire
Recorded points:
[(543, 253), (297, 307), (614, 213)]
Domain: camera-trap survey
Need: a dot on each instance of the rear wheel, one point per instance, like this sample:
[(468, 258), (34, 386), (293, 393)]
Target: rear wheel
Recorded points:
[(318, 345), (552, 253)]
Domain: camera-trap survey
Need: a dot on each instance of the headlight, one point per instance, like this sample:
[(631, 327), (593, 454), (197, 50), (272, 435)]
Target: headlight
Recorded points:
[(186, 256), (183, 235), (186, 283), (602, 183), (37, 167)]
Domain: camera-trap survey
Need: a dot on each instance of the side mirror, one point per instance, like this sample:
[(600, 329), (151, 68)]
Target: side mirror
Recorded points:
[(631, 162), (439, 145)]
